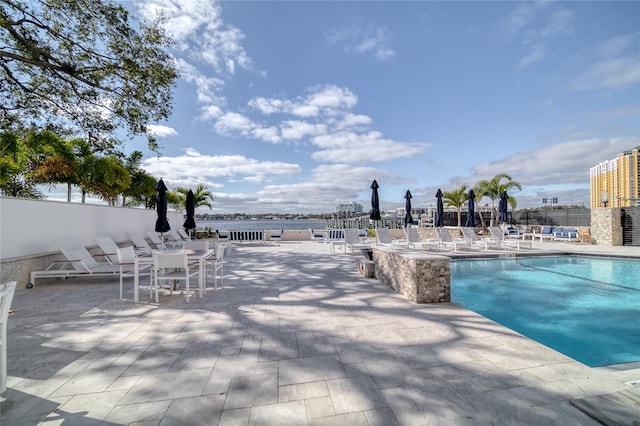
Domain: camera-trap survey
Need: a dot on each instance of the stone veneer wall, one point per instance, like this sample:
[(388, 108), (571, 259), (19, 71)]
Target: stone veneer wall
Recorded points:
[(420, 277), (606, 227)]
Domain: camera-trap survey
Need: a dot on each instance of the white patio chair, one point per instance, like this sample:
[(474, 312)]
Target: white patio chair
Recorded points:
[(126, 257), (498, 233), (483, 243), (79, 262), (218, 266), (140, 244), (414, 240), (383, 236), (172, 266), (173, 239), (155, 240), (448, 242), (183, 234), (108, 247), (352, 240), (6, 297)]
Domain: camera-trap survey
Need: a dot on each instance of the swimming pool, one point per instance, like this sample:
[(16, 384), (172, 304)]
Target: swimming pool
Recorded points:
[(588, 308)]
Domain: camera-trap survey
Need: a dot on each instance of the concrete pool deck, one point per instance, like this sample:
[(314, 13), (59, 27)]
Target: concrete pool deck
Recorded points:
[(295, 337)]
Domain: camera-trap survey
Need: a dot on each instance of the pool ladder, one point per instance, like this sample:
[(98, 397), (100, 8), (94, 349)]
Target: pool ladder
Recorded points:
[(506, 256)]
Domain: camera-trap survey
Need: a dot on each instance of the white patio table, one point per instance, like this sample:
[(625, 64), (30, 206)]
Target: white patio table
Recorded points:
[(201, 256)]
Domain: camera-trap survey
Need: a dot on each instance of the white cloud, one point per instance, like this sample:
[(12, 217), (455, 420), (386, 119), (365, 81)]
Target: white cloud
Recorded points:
[(207, 88), (611, 74), (535, 23), (566, 163), (321, 100), (197, 27), (617, 65), (363, 38), (296, 130), (161, 131), (536, 53), (193, 168), (357, 148), (232, 121)]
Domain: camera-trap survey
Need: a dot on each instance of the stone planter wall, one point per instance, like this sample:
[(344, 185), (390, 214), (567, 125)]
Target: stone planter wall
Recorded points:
[(606, 227), (420, 277)]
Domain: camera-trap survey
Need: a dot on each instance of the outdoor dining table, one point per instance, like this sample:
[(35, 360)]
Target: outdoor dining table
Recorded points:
[(201, 256)]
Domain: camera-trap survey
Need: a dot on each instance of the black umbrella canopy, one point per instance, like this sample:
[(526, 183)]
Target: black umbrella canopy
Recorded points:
[(375, 202), (407, 206), (190, 205), (162, 224), (503, 206), (439, 209), (471, 214)]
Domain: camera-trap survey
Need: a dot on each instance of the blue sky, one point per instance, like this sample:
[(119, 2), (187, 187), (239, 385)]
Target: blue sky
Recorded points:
[(298, 106)]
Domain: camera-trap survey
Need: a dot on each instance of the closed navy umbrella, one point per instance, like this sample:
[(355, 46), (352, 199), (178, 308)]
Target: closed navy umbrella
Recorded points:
[(503, 206), (439, 210), (190, 205), (162, 224), (375, 202), (407, 206), (471, 214)]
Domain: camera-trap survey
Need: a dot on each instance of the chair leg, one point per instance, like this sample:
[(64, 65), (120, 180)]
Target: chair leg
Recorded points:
[(3, 358), (155, 281), (187, 279)]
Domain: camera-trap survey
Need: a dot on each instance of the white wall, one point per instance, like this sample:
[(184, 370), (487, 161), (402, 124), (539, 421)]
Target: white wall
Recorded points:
[(31, 227)]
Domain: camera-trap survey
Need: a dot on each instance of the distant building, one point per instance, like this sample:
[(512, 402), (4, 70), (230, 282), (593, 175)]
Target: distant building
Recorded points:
[(352, 207), (616, 183)]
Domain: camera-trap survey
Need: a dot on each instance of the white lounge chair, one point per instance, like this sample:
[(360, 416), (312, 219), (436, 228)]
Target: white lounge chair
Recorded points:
[(448, 242), (173, 239), (317, 235), (483, 243), (142, 247), (183, 234), (154, 238), (383, 236), (79, 262), (108, 247), (352, 240), (496, 232), (414, 240)]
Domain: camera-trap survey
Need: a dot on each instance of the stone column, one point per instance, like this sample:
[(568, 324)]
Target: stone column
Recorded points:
[(606, 226)]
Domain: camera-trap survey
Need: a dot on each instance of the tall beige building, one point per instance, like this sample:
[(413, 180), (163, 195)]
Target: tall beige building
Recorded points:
[(616, 183)]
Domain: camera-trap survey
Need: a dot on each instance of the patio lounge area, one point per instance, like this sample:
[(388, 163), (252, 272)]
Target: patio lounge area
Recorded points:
[(295, 337)]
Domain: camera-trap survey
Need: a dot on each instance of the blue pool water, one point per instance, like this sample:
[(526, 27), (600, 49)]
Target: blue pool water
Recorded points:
[(587, 308)]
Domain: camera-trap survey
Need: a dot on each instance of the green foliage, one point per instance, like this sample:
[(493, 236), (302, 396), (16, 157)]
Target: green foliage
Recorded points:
[(31, 158), (456, 198), (203, 197), (81, 64), (494, 188)]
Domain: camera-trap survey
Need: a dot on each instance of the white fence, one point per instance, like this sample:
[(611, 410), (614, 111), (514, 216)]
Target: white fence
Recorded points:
[(31, 227)]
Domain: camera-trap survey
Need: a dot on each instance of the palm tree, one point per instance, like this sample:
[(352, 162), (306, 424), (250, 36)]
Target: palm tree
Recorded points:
[(202, 196), (111, 179), (494, 188), (456, 198), (55, 160), (15, 180)]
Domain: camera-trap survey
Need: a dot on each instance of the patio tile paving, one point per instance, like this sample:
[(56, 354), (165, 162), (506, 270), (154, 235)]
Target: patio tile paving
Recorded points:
[(296, 336)]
